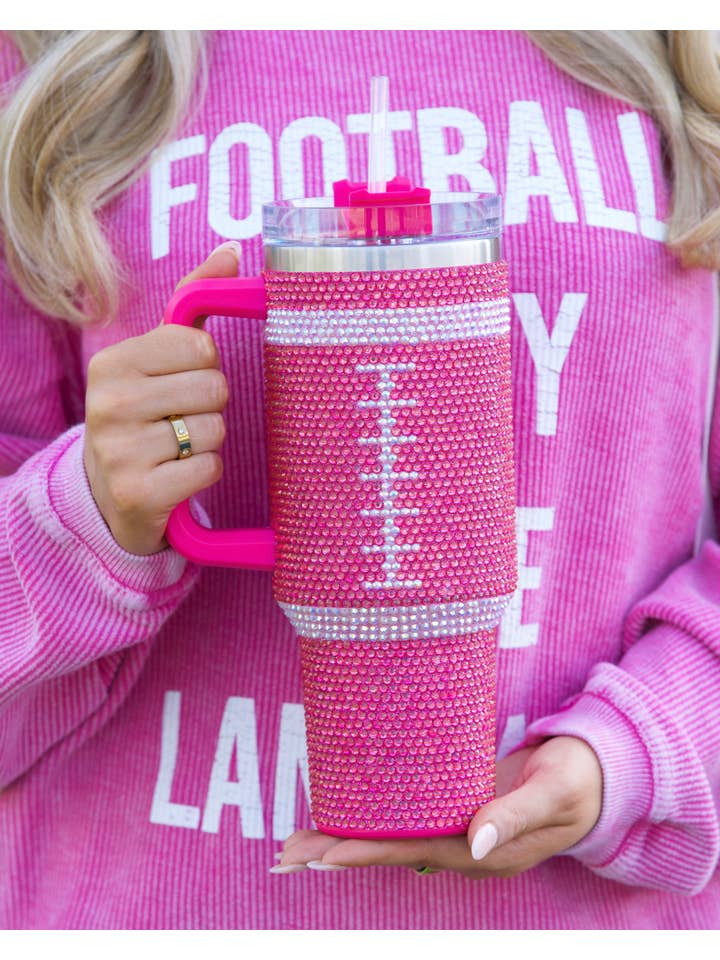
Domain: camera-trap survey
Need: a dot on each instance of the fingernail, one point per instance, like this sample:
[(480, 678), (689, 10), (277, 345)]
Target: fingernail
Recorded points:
[(277, 856), (319, 865), (484, 841), (232, 245), (290, 868)]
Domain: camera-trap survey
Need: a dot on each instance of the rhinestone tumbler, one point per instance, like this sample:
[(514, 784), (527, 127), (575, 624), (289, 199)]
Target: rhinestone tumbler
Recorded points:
[(391, 493)]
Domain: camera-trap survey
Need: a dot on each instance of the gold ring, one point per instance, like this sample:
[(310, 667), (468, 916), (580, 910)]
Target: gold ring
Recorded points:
[(183, 437)]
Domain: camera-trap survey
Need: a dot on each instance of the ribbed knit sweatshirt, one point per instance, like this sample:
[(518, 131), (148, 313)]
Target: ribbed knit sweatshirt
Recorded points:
[(152, 750)]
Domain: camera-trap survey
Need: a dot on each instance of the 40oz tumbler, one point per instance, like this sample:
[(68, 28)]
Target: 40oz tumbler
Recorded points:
[(391, 490)]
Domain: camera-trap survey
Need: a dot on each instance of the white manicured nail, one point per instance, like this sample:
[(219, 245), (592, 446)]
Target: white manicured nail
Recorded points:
[(484, 841), (290, 868), (319, 865), (277, 856)]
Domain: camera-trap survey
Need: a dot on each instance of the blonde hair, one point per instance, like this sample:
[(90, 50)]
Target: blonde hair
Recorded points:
[(674, 76), (75, 133), (82, 122)]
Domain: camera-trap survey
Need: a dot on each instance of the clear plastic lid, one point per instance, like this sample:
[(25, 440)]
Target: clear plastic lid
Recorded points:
[(319, 223)]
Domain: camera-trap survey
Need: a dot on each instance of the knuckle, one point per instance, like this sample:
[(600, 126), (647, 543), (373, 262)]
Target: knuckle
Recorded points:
[(213, 467), (205, 347), (101, 364), (218, 429), (518, 820), (95, 367), (166, 337), (156, 343), (93, 416), (126, 494), (207, 468), (217, 389), (100, 404), (108, 454)]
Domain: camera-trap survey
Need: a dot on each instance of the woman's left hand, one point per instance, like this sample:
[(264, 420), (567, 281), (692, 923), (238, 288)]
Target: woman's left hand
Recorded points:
[(548, 798)]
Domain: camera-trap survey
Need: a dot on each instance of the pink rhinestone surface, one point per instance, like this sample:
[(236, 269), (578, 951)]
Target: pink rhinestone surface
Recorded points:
[(389, 433), (389, 289), (401, 736), (464, 524)]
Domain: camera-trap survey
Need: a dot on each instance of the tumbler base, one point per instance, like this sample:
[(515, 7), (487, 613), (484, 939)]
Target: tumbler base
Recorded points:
[(390, 834)]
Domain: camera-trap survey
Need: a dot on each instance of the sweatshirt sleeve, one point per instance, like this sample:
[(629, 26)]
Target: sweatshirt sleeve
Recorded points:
[(653, 719), (78, 614)]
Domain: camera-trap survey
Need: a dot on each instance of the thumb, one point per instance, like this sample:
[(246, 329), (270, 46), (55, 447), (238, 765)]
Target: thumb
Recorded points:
[(523, 810), (223, 261)]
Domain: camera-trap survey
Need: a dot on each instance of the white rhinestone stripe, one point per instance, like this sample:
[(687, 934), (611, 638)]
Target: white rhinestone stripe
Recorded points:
[(453, 321), (396, 623), (388, 513)]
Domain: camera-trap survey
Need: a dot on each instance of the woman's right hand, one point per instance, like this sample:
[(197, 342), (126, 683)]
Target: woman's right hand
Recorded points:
[(130, 447)]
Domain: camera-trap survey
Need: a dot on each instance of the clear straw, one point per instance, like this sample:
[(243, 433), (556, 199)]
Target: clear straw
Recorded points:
[(377, 181)]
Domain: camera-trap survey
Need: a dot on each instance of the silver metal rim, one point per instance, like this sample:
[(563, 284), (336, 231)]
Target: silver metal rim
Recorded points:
[(400, 256)]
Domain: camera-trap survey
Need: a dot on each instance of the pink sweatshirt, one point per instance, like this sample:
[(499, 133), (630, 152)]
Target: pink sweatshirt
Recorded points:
[(152, 753)]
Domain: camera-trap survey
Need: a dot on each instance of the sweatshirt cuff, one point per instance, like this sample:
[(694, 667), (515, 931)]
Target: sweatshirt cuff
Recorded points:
[(626, 768), (73, 517)]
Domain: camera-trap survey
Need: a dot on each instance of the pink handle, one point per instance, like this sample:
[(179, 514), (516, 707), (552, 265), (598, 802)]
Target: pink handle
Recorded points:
[(253, 549)]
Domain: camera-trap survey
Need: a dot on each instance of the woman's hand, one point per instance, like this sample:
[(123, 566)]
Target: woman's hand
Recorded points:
[(130, 448), (548, 799)]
